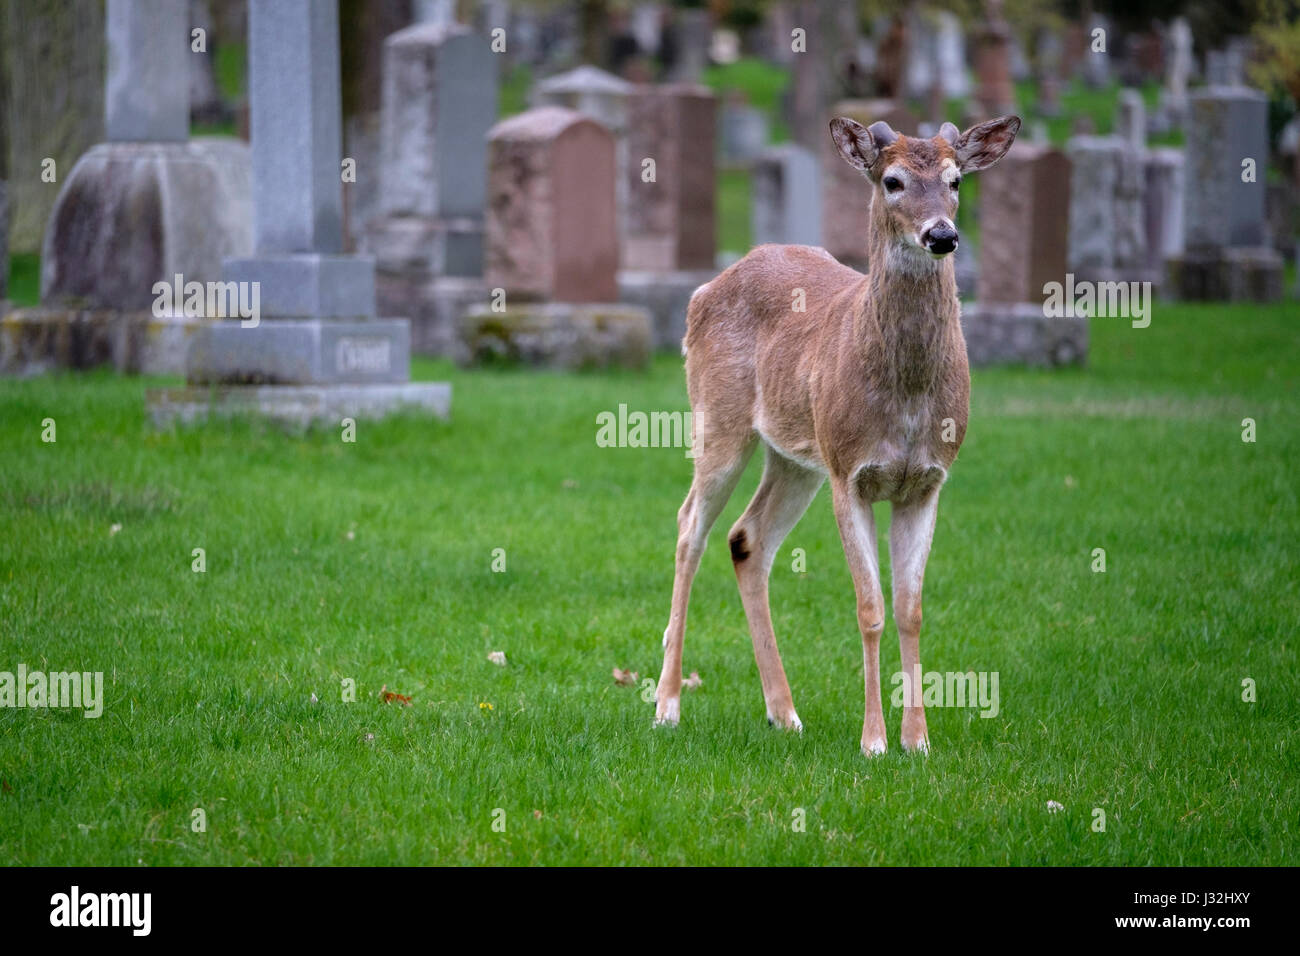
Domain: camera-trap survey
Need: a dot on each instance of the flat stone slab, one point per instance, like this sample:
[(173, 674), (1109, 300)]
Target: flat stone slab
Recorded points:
[(35, 341), (562, 335), (309, 284), (666, 295), (298, 405), (1019, 334), (301, 352)]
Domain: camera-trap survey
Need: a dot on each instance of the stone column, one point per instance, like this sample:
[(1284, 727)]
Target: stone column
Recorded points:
[(316, 348)]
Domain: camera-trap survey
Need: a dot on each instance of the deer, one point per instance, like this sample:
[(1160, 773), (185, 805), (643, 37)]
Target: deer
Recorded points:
[(867, 387)]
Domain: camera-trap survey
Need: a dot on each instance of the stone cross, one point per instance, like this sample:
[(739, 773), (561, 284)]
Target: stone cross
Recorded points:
[(146, 92)]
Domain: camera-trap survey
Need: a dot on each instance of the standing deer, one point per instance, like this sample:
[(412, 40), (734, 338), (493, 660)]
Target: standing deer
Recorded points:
[(867, 385)]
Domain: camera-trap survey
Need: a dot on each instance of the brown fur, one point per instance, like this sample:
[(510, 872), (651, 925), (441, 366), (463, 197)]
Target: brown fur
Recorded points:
[(860, 387)]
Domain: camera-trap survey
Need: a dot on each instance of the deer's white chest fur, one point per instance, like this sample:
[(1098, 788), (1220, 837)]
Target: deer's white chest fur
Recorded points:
[(901, 466)]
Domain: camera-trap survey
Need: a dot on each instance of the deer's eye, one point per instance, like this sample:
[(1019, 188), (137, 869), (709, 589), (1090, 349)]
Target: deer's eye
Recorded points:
[(893, 183), (955, 183)]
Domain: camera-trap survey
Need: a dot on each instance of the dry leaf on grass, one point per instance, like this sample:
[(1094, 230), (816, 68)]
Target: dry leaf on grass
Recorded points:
[(388, 696), (498, 658), (625, 678), (693, 682), (1054, 807)]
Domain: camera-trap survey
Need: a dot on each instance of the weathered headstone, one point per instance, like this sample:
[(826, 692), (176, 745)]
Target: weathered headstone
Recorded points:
[(439, 101), (670, 223), (316, 342), (1098, 52), (1024, 224), (669, 232), (846, 197), (1024, 216), (744, 132), (693, 33), (1130, 119), (994, 91), (786, 204), (1163, 202), (553, 248), (936, 55), (1172, 110), (1050, 56), (1093, 185), (134, 212), (603, 97), (1227, 253)]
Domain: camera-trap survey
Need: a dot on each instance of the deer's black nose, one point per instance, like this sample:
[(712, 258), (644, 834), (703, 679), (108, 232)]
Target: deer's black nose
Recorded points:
[(940, 239)]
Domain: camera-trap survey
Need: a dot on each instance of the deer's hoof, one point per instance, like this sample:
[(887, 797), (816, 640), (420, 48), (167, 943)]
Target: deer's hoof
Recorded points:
[(668, 712), (921, 746), (787, 721), (874, 748)]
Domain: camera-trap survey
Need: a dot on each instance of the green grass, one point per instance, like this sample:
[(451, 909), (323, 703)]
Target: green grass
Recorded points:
[(733, 198), (24, 278), (762, 83), (372, 561)]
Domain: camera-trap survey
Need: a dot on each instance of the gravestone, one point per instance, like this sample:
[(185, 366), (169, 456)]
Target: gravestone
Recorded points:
[(1050, 57), (603, 97), (1227, 254), (669, 235), (693, 35), (786, 196), (316, 350), (1024, 225), (439, 101), (994, 91), (846, 195), (936, 53), (553, 247), (1172, 110), (142, 208), (1163, 206), (1107, 218), (1096, 60), (744, 132)]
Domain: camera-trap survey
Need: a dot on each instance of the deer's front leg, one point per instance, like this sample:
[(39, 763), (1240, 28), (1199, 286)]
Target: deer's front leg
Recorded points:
[(857, 526), (911, 529)]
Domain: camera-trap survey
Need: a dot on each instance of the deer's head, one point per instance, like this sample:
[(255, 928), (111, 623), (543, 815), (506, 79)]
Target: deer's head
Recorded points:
[(917, 179)]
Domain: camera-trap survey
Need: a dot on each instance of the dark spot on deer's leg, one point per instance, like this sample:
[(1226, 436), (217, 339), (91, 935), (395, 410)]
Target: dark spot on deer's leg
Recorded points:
[(739, 546)]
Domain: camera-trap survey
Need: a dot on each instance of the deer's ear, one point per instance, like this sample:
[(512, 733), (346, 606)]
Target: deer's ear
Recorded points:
[(983, 145), (854, 142)]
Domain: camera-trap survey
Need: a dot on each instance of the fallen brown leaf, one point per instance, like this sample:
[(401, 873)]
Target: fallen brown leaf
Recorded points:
[(625, 678), (388, 696), (693, 682)]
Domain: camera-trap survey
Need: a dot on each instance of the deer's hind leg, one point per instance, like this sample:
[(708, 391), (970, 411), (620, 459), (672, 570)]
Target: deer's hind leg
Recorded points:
[(782, 497), (720, 461)]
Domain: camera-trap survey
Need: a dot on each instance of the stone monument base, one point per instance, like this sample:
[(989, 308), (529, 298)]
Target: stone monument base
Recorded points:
[(1248, 274), (665, 295), (434, 304), (34, 341), (1019, 333), (297, 405), (559, 335), (301, 352), (429, 244)]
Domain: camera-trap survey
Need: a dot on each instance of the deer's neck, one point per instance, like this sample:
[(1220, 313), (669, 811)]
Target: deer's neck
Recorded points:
[(910, 307)]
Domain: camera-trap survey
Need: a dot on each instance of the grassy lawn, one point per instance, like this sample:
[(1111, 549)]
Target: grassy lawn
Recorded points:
[(372, 561)]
